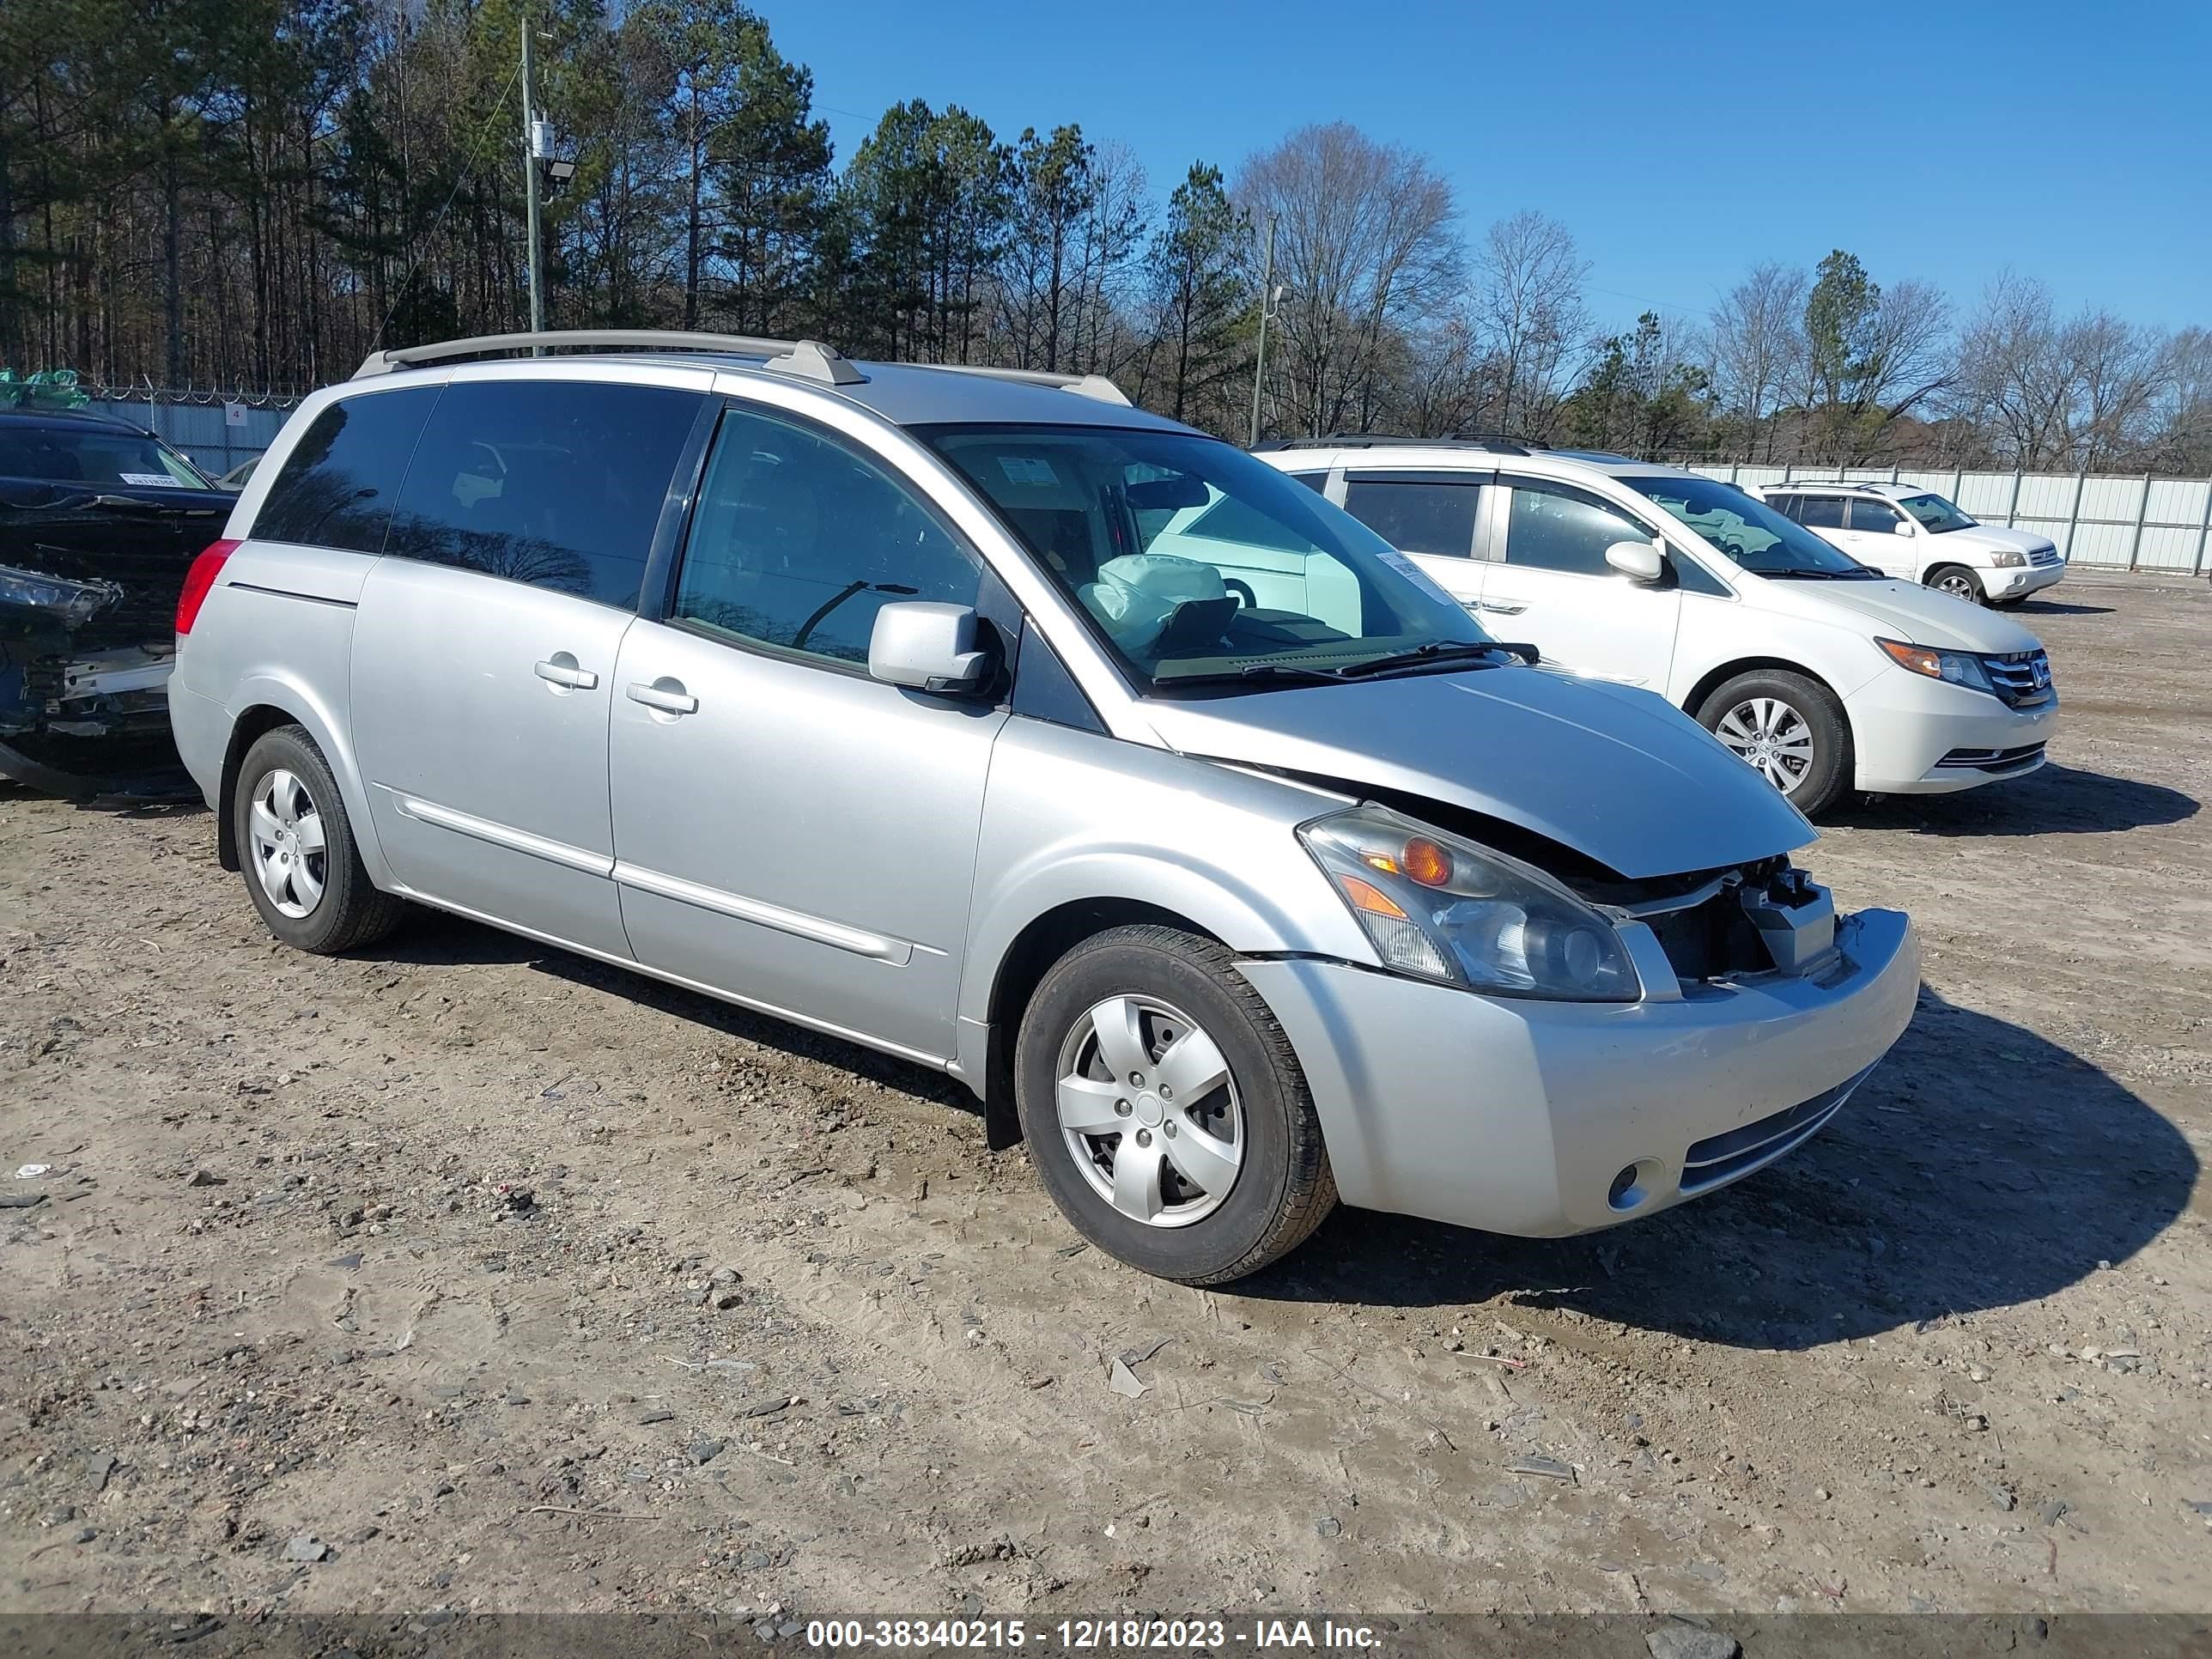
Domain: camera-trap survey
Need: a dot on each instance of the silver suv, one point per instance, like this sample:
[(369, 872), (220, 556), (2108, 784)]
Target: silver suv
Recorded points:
[(982, 719)]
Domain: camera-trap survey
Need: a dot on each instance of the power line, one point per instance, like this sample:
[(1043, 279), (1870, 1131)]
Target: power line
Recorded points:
[(423, 246)]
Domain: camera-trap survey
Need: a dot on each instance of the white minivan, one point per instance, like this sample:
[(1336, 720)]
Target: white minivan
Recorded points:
[(1916, 536), (1819, 670)]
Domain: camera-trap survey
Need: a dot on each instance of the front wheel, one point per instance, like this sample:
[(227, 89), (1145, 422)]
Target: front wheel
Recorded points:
[(1165, 1110), (1959, 582), (1789, 729)]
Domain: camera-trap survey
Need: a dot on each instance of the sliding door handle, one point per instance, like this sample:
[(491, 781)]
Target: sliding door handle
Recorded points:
[(667, 697)]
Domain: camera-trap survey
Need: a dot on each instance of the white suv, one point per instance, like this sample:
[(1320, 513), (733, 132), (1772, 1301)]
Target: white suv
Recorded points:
[(1915, 535), (1818, 671)]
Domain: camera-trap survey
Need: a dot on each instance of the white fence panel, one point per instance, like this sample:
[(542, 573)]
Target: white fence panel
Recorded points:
[(2129, 522)]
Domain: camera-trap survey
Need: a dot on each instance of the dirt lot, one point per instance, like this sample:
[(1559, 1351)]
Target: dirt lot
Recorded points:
[(469, 1275)]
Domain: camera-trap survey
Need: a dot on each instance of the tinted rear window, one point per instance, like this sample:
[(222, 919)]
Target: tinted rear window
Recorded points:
[(342, 477), (558, 484), (1820, 512)]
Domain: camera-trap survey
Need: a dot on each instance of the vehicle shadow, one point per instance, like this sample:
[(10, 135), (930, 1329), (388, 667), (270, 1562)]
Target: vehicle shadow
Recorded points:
[(1980, 1166), (433, 937), (2057, 798), (2058, 608)]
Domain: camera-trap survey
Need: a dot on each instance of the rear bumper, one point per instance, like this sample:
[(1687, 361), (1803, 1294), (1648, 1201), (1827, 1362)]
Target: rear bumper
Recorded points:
[(1520, 1116), (1917, 735), (201, 728)]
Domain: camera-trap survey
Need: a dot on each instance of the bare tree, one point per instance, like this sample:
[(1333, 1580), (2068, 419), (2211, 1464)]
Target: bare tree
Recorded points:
[(1531, 313), (1757, 347), (2071, 393), (1365, 245)]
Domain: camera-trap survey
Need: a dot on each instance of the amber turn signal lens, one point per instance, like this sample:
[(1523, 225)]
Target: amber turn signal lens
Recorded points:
[(1427, 863), (1365, 895), (1919, 659)]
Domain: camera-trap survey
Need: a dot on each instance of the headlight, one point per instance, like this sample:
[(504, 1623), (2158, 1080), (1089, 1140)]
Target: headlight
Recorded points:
[(1960, 667), (73, 601), (2011, 558), (1443, 908)]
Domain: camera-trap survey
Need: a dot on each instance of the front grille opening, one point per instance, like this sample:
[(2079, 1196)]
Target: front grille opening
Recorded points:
[(1724, 1157), (1994, 760)]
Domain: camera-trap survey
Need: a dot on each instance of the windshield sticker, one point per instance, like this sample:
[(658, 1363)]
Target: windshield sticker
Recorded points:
[(1033, 470), (1413, 572), (145, 477)]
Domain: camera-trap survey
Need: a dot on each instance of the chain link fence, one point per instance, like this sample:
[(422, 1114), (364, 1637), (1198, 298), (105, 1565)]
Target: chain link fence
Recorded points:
[(2139, 522)]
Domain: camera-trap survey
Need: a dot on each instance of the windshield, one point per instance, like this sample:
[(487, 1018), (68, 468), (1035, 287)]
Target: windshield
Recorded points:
[(1200, 566), (1935, 514), (93, 455), (1752, 534)]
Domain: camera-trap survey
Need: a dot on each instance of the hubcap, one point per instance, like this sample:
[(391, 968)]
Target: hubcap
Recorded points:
[(1961, 585), (1150, 1111), (1773, 737), (290, 859)]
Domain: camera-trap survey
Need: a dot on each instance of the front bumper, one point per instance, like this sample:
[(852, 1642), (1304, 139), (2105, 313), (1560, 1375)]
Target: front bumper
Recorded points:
[(1518, 1116), (1913, 735), (2020, 582)]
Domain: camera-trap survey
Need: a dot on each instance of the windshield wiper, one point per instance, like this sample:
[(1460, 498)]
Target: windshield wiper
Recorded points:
[(1435, 651)]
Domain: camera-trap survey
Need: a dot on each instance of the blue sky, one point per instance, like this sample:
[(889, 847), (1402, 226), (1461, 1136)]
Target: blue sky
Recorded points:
[(1681, 143)]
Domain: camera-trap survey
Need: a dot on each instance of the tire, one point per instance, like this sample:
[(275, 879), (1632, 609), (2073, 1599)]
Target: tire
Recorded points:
[(1174, 983), (1762, 716), (1959, 581), (315, 899)]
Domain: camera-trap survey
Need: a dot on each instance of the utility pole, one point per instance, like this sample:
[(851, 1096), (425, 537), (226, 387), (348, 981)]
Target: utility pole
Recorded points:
[(530, 147), (1266, 305)]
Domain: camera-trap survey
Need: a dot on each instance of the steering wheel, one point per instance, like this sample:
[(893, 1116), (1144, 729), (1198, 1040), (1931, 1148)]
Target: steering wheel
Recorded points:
[(1245, 597)]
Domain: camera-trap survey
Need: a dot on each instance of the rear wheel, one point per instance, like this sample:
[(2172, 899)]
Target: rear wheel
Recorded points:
[(1164, 1109), (1789, 729), (1959, 582), (296, 849)]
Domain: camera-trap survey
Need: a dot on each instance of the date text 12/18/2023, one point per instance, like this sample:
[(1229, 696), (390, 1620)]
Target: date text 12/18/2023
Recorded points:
[(1090, 1635)]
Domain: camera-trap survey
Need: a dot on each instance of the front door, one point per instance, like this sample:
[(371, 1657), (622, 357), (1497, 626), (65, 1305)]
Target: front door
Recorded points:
[(788, 831), (485, 645), (1554, 589)]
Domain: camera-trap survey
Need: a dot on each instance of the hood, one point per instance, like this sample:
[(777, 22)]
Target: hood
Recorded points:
[(1915, 615), (1995, 535), (1618, 774)]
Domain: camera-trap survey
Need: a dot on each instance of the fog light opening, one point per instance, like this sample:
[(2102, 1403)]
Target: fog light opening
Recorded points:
[(1633, 1186)]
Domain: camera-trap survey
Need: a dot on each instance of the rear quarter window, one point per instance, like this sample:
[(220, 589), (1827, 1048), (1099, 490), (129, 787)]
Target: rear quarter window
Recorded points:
[(338, 484), (558, 484)]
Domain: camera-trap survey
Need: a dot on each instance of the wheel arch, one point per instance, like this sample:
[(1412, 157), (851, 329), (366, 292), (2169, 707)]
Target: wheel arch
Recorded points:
[(266, 702), (1714, 678), (1041, 942)]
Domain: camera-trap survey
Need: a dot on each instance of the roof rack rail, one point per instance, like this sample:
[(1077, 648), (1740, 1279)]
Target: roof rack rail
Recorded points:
[(808, 359), (1491, 441), (1095, 387)]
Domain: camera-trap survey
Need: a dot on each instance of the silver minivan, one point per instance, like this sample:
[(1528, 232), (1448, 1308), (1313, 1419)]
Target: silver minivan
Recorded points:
[(981, 718)]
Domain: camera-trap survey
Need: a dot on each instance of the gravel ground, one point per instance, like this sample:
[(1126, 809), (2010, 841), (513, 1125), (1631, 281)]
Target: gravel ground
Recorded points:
[(469, 1275)]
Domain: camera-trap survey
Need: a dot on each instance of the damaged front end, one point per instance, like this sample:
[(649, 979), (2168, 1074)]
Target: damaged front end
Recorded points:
[(89, 591)]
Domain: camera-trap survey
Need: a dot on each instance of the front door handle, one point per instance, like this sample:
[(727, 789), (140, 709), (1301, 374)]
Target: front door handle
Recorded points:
[(667, 695), (1500, 610), (560, 669)]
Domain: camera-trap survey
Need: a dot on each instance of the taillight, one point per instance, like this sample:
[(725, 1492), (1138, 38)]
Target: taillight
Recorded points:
[(199, 580)]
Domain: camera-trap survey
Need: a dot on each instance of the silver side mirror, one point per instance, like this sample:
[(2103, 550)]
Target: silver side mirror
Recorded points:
[(1637, 561), (930, 647)]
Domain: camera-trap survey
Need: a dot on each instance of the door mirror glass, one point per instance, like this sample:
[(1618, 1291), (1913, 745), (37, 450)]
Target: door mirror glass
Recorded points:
[(1637, 561), (930, 647)]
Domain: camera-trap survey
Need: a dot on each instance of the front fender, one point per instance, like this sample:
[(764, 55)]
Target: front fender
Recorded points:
[(1073, 816)]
